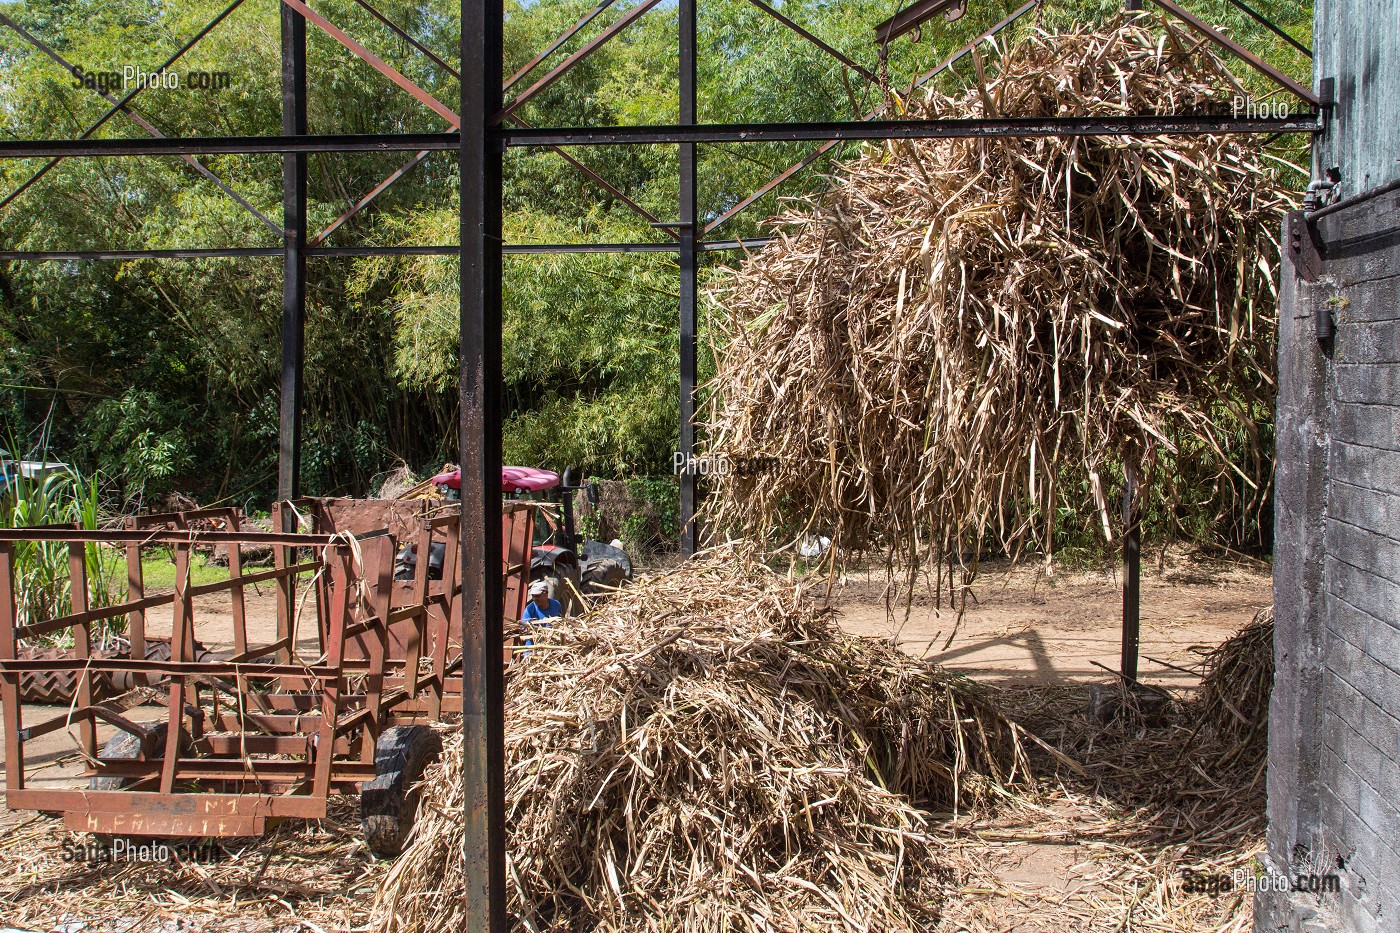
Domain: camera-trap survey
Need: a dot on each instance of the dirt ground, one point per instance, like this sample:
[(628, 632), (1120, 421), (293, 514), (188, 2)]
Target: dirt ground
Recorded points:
[(1025, 626), (1078, 857)]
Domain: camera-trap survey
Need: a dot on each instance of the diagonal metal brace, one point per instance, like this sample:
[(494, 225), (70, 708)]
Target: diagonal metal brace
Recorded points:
[(1225, 42), (832, 143), (375, 62)]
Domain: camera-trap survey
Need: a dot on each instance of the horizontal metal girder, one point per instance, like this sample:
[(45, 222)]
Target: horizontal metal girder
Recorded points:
[(208, 145), (514, 249), (1179, 125), (1185, 125)]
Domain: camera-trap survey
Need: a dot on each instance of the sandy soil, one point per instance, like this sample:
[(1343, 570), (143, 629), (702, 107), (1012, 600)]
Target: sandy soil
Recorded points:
[(1024, 626)]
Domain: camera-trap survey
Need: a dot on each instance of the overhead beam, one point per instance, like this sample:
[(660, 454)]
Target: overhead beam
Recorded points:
[(915, 15), (1149, 125), (984, 128), (214, 145)]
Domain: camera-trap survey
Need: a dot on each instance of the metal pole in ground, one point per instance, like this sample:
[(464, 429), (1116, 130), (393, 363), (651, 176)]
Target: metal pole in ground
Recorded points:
[(1132, 569), (689, 274), (294, 261), (483, 707)]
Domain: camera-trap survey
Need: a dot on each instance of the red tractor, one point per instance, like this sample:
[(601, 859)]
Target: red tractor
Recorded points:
[(571, 565)]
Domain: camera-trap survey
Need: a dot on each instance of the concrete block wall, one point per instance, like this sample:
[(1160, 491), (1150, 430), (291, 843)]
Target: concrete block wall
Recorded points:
[(1334, 752)]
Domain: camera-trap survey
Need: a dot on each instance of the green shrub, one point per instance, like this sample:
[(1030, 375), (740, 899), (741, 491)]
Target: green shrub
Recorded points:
[(43, 588)]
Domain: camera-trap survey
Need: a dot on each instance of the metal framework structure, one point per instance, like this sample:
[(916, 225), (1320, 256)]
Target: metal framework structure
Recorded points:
[(484, 124)]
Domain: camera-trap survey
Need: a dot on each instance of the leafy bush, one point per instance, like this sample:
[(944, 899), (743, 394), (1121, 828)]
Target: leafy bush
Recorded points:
[(43, 587)]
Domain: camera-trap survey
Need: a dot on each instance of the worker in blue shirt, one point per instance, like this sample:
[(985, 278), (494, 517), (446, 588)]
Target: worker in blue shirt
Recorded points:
[(541, 607), (538, 612)]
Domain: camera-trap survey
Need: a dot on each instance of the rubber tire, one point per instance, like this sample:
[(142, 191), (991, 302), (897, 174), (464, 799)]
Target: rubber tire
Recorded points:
[(124, 746), (389, 803), (559, 580)]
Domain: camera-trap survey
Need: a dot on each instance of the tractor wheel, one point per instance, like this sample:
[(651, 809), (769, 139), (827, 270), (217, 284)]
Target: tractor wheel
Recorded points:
[(564, 585), (124, 746), (56, 688), (389, 803), (53, 688)]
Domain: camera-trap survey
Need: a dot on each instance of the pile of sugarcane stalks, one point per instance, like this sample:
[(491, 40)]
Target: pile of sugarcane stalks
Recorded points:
[(1233, 702), (709, 752), (967, 340)]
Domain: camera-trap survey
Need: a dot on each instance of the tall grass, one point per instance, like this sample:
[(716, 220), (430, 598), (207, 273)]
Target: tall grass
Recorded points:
[(43, 588)]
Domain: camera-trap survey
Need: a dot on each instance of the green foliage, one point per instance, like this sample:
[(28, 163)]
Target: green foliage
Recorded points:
[(158, 570), (659, 498), (43, 580)]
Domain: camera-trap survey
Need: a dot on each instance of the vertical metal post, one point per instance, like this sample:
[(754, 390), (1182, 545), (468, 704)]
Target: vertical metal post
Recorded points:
[(1132, 569), (689, 235), (483, 707), (294, 262)]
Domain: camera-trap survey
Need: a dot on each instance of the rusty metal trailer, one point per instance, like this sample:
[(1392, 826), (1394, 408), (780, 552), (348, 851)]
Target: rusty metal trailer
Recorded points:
[(338, 702)]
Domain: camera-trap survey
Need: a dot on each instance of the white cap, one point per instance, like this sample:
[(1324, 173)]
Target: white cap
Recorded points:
[(538, 587)]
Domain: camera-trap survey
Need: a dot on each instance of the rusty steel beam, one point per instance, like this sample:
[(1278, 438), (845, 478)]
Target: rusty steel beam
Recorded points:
[(213, 145), (1126, 125), (915, 15), (480, 607), (121, 106), (375, 62), (593, 45), (840, 56), (554, 46), (1225, 42)]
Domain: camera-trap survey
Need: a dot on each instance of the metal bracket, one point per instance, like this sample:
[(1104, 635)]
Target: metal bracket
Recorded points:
[(1304, 248)]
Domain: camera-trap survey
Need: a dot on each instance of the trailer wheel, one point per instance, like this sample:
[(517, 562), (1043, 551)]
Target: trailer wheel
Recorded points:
[(389, 803), (124, 746)]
